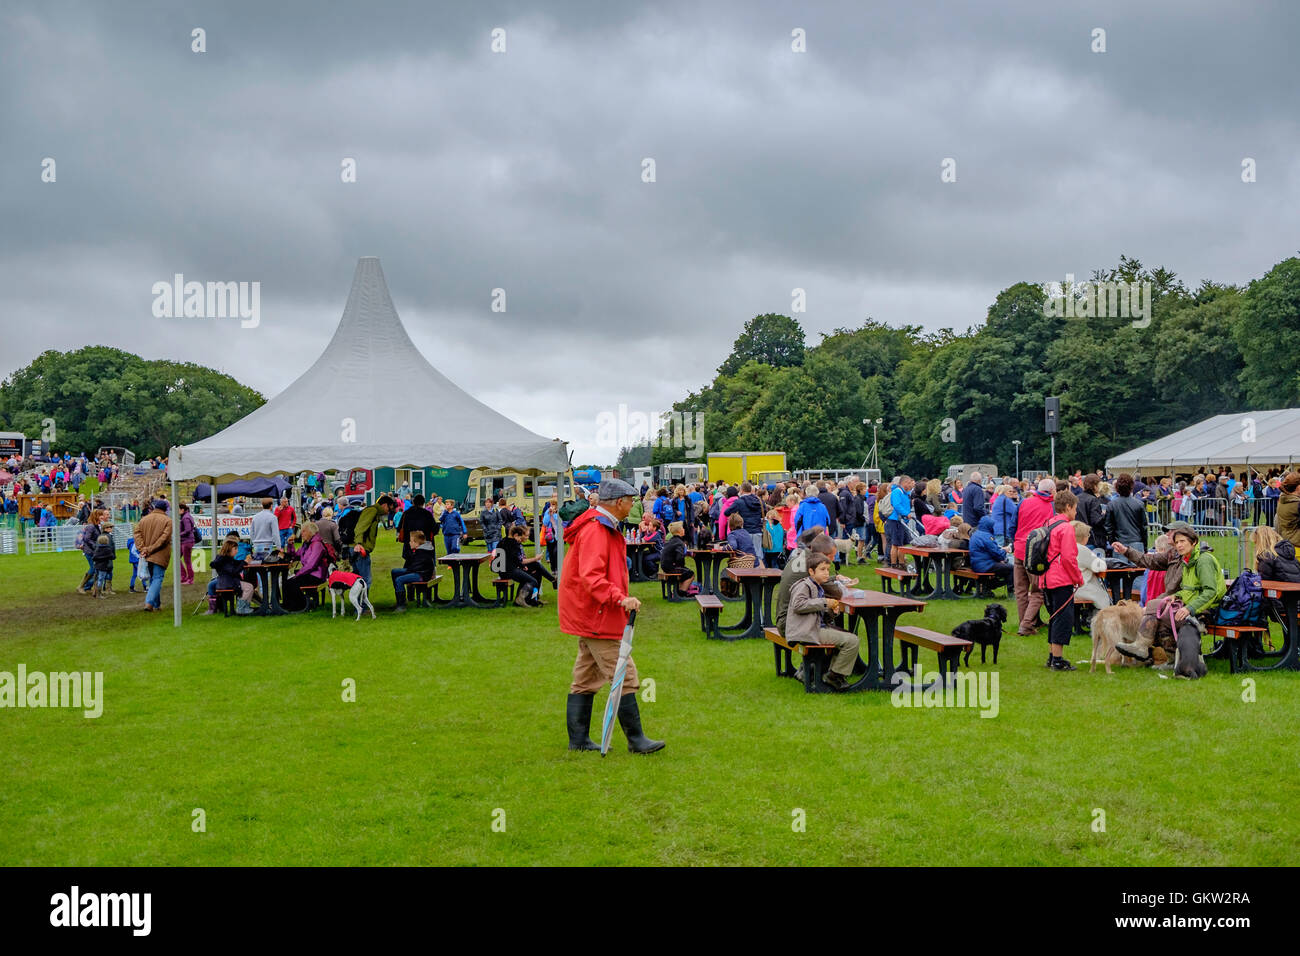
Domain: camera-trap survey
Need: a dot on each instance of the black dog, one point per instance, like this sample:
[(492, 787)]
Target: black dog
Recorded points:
[(984, 632)]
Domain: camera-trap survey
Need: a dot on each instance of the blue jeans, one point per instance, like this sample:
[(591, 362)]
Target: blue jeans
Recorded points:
[(401, 578), (103, 579), (284, 535), (453, 543), (361, 566), (89, 579), (153, 597), (492, 544), (135, 573)]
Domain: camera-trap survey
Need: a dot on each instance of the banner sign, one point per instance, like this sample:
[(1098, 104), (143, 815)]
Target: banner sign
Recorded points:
[(242, 524)]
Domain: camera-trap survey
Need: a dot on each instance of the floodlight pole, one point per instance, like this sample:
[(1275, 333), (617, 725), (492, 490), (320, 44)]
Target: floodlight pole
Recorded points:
[(1016, 442), (1053, 456)]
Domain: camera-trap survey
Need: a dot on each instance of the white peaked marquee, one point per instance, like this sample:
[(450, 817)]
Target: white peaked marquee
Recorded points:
[(370, 401), (1247, 439)]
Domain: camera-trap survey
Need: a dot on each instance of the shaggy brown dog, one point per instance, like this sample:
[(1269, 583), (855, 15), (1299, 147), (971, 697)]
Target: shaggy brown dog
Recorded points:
[(1110, 625)]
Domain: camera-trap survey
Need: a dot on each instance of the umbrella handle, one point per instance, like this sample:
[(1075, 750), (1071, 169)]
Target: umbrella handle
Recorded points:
[(631, 618)]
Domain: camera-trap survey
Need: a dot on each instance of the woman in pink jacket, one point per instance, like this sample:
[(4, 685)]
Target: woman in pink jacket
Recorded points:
[(315, 563), (1061, 578)]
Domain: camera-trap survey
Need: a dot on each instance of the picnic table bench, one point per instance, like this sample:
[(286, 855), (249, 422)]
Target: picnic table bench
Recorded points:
[(897, 575), (948, 647), (817, 658), (668, 581), (985, 582), (1233, 638), (422, 593), (710, 606), (942, 561)]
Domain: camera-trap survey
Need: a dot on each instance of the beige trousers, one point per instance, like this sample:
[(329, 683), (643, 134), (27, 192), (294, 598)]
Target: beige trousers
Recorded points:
[(594, 668)]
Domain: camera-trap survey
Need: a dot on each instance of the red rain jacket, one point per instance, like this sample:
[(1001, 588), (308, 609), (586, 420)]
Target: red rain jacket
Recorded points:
[(594, 580)]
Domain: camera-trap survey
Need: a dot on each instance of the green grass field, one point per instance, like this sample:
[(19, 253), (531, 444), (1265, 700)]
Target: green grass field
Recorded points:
[(460, 715)]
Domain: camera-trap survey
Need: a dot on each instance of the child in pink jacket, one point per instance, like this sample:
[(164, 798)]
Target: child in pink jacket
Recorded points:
[(1061, 578)]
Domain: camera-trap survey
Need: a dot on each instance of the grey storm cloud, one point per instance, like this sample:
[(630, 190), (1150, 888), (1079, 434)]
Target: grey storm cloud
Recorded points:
[(522, 171)]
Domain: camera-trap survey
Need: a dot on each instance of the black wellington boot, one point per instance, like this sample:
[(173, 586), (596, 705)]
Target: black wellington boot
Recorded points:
[(579, 720), (629, 718)]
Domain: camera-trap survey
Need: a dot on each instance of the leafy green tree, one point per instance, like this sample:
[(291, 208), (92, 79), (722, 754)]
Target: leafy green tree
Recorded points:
[(104, 396), (1268, 333), (770, 339)]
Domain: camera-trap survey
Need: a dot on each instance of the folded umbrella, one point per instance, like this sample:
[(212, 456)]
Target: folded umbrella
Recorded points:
[(620, 671)]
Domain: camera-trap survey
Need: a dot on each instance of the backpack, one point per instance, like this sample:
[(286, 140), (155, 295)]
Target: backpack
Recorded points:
[(885, 505), (348, 527), (571, 509), (1243, 605), (1036, 562), (767, 538)]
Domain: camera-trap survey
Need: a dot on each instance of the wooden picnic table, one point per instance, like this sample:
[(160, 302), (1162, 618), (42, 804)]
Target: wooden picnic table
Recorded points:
[(880, 612), (637, 551), (942, 560), (1119, 581), (708, 568), (270, 574), (1289, 594), (464, 570), (758, 585)]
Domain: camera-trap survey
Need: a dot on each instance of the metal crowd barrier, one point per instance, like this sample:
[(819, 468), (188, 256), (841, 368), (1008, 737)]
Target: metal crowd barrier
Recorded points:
[(61, 538)]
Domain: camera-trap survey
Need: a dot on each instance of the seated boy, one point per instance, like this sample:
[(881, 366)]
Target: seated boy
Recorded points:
[(419, 567), (673, 559), (804, 625), (530, 588)]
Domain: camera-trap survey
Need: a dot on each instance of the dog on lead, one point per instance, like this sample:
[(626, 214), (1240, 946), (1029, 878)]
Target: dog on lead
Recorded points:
[(1110, 626), (343, 583), (983, 632)]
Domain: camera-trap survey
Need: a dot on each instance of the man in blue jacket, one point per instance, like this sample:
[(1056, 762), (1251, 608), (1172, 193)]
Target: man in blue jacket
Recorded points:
[(811, 513), (1004, 513), (973, 506), (900, 499), (986, 556)]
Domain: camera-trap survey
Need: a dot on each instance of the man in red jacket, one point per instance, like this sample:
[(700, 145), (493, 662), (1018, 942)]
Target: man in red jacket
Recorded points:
[(1034, 512), (593, 602)]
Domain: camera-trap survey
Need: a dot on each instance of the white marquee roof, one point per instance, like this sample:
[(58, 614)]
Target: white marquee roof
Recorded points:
[(405, 412), (1246, 438)]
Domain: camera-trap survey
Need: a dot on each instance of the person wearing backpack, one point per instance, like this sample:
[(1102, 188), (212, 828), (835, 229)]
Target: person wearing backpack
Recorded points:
[(1035, 511), (1053, 552)]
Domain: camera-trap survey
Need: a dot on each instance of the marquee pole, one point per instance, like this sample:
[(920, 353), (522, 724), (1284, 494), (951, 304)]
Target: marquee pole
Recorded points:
[(176, 559), (213, 486), (559, 535)]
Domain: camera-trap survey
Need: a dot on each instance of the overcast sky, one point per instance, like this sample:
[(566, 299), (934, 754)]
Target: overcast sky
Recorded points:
[(523, 170)]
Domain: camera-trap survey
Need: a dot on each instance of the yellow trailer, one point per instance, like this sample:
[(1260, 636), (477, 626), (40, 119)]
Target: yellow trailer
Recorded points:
[(733, 467)]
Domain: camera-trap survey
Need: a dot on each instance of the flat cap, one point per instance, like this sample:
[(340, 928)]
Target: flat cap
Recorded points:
[(612, 489)]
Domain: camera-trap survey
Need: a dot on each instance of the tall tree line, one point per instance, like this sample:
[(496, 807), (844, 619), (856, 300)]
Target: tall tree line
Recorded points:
[(947, 398), (104, 396)]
